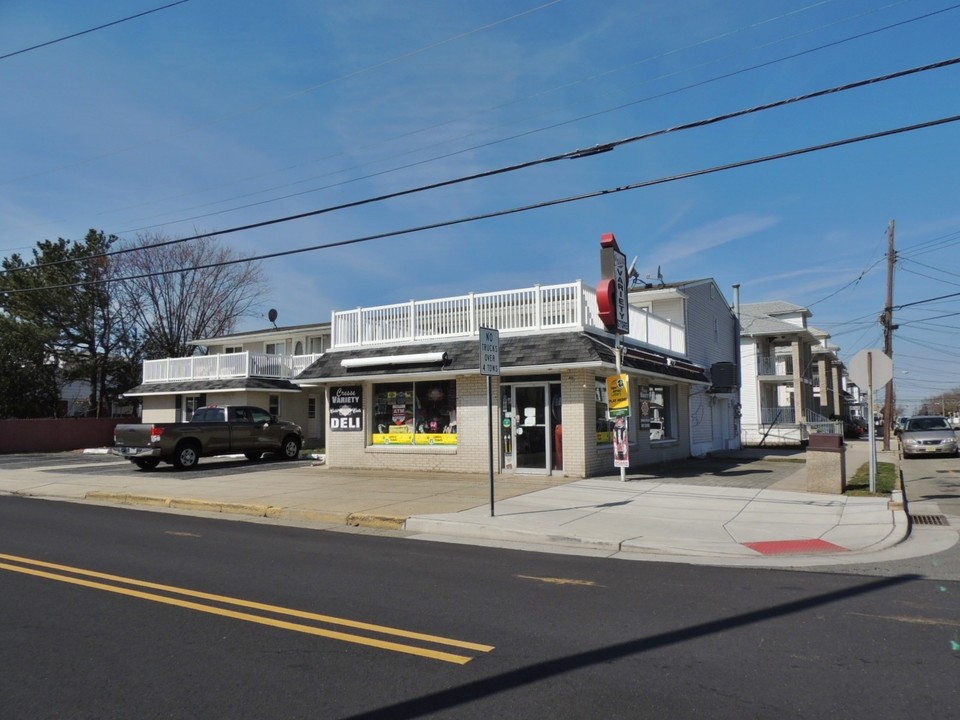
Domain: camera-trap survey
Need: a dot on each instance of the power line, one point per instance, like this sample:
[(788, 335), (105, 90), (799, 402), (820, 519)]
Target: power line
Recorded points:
[(94, 29), (483, 216), (572, 154), (563, 123)]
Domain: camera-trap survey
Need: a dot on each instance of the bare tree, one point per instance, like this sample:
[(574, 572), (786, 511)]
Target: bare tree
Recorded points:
[(185, 291)]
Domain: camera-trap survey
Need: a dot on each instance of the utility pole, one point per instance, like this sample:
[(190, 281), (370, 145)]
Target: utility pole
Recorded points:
[(886, 320)]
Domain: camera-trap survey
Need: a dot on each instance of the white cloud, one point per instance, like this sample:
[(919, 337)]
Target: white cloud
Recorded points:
[(720, 232)]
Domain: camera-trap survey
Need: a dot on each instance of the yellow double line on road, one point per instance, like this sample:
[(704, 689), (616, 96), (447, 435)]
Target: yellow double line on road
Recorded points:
[(28, 566)]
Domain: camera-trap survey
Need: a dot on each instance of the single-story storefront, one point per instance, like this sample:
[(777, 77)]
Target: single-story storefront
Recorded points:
[(424, 406)]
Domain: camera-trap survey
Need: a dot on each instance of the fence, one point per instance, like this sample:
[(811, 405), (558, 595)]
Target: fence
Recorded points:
[(57, 434)]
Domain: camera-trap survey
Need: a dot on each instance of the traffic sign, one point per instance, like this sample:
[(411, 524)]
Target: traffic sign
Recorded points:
[(871, 368), (489, 352)]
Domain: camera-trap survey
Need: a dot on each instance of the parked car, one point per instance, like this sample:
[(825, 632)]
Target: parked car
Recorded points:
[(213, 430), (852, 429), (899, 424), (928, 435)]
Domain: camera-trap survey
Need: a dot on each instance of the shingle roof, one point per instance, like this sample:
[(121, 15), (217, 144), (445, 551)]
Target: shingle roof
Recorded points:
[(201, 386), (516, 354)]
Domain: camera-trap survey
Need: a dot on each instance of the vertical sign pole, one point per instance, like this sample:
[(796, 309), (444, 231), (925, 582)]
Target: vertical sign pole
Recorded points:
[(873, 445), (490, 366), (618, 352), (490, 437)]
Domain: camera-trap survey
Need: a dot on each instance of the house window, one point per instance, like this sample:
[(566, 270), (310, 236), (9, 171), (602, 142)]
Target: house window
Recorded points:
[(275, 348), (421, 413), (298, 348), (274, 402), (663, 400), (190, 405), (230, 349), (311, 408), (316, 345)]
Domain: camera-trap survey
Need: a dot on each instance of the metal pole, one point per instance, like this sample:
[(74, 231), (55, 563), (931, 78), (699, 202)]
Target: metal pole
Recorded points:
[(873, 444), (618, 353), (490, 436)]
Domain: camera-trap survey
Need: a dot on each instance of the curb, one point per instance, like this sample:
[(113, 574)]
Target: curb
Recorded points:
[(382, 522)]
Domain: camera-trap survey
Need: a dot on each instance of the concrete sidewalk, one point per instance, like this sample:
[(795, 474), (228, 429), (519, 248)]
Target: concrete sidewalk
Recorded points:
[(750, 510)]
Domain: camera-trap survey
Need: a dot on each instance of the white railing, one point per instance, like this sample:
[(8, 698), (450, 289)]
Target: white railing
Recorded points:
[(524, 310), (540, 308), (229, 365)]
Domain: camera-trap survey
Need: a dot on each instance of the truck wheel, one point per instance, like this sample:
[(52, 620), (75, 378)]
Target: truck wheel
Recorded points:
[(291, 448), (147, 463), (253, 455), (186, 456)]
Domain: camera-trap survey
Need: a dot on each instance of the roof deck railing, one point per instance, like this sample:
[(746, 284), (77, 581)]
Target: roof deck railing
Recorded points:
[(225, 366), (541, 308)]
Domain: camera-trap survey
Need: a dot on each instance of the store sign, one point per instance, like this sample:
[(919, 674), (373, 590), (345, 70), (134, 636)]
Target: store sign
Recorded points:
[(346, 408), (612, 292)]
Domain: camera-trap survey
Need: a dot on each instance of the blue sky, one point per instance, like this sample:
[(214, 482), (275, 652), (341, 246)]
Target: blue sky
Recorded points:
[(213, 114)]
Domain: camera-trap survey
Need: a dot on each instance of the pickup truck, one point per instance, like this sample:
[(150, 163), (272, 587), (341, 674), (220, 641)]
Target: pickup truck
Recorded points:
[(213, 430)]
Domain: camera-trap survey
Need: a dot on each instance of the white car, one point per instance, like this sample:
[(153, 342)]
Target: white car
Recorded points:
[(928, 435)]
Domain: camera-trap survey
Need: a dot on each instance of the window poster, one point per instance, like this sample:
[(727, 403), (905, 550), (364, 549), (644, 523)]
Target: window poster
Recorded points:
[(346, 408), (421, 413)]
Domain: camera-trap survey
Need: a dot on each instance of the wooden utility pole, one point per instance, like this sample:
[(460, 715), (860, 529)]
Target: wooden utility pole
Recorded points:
[(888, 327)]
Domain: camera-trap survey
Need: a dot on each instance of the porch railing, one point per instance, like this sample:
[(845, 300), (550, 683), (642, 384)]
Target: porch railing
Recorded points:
[(224, 366), (527, 310)]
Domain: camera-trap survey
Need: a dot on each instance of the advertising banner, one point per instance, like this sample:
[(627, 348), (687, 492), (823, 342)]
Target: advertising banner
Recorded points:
[(618, 395)]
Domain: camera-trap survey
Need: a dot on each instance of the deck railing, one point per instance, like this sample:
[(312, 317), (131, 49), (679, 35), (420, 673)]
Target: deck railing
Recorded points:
[(527, 310), (224, 366)]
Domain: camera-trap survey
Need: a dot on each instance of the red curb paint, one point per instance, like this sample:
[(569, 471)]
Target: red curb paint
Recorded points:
[(786, 547)]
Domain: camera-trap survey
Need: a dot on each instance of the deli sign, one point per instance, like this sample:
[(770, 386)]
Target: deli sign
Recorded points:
[(346, 408)]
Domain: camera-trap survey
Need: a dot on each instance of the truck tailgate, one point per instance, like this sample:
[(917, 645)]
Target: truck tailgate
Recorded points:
[(132, 435)]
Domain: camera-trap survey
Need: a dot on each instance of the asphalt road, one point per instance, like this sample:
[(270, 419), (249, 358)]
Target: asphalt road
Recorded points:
[(119, 613)]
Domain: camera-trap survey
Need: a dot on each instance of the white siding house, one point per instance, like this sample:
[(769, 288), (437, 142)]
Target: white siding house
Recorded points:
[(712, 338)]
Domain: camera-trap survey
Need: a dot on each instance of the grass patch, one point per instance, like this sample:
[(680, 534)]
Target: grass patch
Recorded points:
[(859, 484)]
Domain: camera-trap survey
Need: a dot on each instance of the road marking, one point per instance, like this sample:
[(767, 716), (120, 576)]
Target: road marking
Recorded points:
[(558, 581), (249, 604), (908, 619)]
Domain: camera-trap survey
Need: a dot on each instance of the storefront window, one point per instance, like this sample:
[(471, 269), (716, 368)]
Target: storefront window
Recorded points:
[(604, 423), (662, 399), (422, 413)]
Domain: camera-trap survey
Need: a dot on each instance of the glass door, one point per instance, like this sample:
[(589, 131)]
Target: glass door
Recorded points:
[(525, 437)]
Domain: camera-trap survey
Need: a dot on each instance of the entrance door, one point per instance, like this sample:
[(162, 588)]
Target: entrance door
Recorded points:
[(526, 442)]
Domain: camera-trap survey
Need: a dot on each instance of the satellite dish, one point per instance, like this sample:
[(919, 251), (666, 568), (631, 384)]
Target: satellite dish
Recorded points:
[(272, 316), (632, 273)]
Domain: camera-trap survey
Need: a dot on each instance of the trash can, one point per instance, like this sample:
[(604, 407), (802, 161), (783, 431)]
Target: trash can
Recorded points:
[(826, 464)]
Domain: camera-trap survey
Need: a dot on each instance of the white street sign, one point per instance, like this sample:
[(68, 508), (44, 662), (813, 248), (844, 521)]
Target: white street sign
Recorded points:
[(489, 352)]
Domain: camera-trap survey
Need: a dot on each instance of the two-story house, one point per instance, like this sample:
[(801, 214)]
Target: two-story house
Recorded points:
[(791, 378), (251, 368)]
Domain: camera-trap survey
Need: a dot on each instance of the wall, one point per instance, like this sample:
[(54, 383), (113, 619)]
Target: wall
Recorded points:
[(57, 434)]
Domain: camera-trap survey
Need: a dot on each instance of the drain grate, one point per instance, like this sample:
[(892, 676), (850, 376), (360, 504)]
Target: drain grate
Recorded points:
[(928, 520)]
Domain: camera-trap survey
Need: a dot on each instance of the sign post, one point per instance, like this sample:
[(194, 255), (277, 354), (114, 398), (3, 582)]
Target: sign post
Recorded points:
[(613, 308), (871, 368), (490, 366)]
